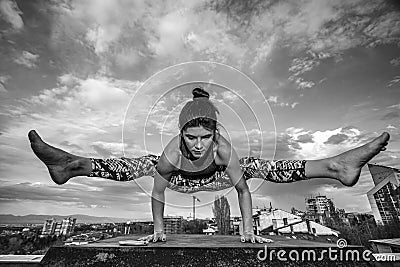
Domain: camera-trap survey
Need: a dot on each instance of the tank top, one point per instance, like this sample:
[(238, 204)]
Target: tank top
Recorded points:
[(193, 168)]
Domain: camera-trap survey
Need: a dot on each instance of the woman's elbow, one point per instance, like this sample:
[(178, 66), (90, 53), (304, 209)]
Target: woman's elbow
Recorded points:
[(242, 188)]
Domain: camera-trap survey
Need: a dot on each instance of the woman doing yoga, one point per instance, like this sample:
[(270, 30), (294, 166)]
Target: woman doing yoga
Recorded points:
[(200, 159)]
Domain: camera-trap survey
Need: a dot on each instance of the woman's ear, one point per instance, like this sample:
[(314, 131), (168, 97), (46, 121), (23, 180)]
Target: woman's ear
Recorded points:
[(216, 135)]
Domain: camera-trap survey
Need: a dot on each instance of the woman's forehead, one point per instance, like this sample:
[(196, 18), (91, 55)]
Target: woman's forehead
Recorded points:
[(197, 131)]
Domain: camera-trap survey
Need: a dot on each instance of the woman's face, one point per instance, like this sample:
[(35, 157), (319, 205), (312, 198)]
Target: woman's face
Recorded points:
[(198, 140)]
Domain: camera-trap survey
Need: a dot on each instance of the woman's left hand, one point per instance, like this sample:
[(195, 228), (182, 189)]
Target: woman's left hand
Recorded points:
[(252, 238)]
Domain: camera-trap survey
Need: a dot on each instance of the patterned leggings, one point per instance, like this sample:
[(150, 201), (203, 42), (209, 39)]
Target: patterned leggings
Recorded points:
[(127, 169)]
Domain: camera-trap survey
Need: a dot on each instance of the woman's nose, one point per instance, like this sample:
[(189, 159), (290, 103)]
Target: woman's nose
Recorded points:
[(198, 144)]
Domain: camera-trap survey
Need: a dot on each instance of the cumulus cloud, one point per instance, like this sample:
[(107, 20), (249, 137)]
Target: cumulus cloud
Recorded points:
[(3, 80), (336, 139), (27, 59), (305, 138), (327, 143), (12, 14), (75, 115), (78, 193), (274, 101), (395, 62), (391, 115), (394, 81)]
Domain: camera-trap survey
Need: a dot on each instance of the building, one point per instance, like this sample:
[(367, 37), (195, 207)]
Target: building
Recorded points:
[(386, 245), (48, 227), (356, 218), (283, 222), (235, 225), (318, 208), (209, 231), (65, 227), (384, 198), (173, 224)]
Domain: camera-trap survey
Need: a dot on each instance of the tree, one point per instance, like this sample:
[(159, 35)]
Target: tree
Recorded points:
[(194, 226), (222, 214)]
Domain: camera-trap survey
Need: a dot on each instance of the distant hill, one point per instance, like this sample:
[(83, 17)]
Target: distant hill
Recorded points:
[(37, 219)]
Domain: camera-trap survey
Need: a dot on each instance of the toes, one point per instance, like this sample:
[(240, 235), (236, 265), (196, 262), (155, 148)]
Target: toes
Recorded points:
[(34, 136)]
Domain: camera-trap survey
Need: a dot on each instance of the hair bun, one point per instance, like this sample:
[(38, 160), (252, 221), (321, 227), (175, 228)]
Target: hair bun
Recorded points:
[(199, 93)]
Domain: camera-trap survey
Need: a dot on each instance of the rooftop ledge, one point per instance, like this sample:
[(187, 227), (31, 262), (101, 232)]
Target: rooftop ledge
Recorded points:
[(203, 250)]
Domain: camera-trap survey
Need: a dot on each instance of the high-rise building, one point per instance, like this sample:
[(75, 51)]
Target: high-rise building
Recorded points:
[(65, 227), (384, 198), (318, 208), (173, 224), (49, 227)]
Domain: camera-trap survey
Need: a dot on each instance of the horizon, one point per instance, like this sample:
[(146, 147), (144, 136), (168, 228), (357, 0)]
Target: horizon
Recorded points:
[(107, 79)]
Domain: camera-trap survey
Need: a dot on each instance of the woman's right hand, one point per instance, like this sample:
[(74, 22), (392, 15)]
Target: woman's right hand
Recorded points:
[(156, 237)]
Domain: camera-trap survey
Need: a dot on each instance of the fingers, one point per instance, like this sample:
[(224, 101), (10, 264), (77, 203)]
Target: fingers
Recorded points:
[(143, 238), (159, 237), (254, 239), (248, 238), (154, 238)]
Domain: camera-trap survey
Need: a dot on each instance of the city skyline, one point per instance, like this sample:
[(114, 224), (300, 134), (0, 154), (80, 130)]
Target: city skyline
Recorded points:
[(326, 79)]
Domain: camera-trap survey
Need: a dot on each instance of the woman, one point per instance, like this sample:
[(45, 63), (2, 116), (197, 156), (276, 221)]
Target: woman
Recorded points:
[(199, 158)]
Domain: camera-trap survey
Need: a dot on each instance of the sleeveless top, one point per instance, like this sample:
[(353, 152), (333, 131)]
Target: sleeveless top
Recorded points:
[(195, 169)]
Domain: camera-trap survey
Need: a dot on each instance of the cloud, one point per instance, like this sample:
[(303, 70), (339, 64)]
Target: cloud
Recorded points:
[(12, 14), (74, 115), (337, 139), (323, 143), (274, 101), (305, 138), (3, 88), (3, 81), (397, 106), (391, 115), (77, 192), (109, 149), (395, 62), (27, 59), (395, 80)]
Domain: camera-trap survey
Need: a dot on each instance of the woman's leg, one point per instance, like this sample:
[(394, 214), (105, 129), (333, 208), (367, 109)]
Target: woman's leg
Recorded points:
[(345, 167), (124, 169), (63, 166)]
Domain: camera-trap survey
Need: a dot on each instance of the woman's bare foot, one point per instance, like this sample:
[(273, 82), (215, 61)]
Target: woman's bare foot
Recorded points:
[(61, 165), (347, 166)]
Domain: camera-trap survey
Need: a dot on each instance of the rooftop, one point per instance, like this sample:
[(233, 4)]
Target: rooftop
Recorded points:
[(393, 241)]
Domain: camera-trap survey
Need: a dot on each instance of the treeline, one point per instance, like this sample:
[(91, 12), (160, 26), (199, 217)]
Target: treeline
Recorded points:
[(194, 226), (19, 244), (360, 233)]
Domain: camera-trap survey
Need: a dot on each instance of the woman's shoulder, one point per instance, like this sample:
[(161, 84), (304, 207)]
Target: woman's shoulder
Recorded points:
[(170, 158), (224, 150)]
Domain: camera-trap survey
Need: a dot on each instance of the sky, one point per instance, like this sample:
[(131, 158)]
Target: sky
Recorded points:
[(292, 79)]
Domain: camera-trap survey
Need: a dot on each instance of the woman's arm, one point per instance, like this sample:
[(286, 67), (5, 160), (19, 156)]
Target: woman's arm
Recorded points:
[(164, 169), (161, 179), (228, 156)]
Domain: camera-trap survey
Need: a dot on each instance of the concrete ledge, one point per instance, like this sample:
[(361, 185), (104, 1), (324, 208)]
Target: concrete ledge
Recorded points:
[(20, 260), (191, 250)]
